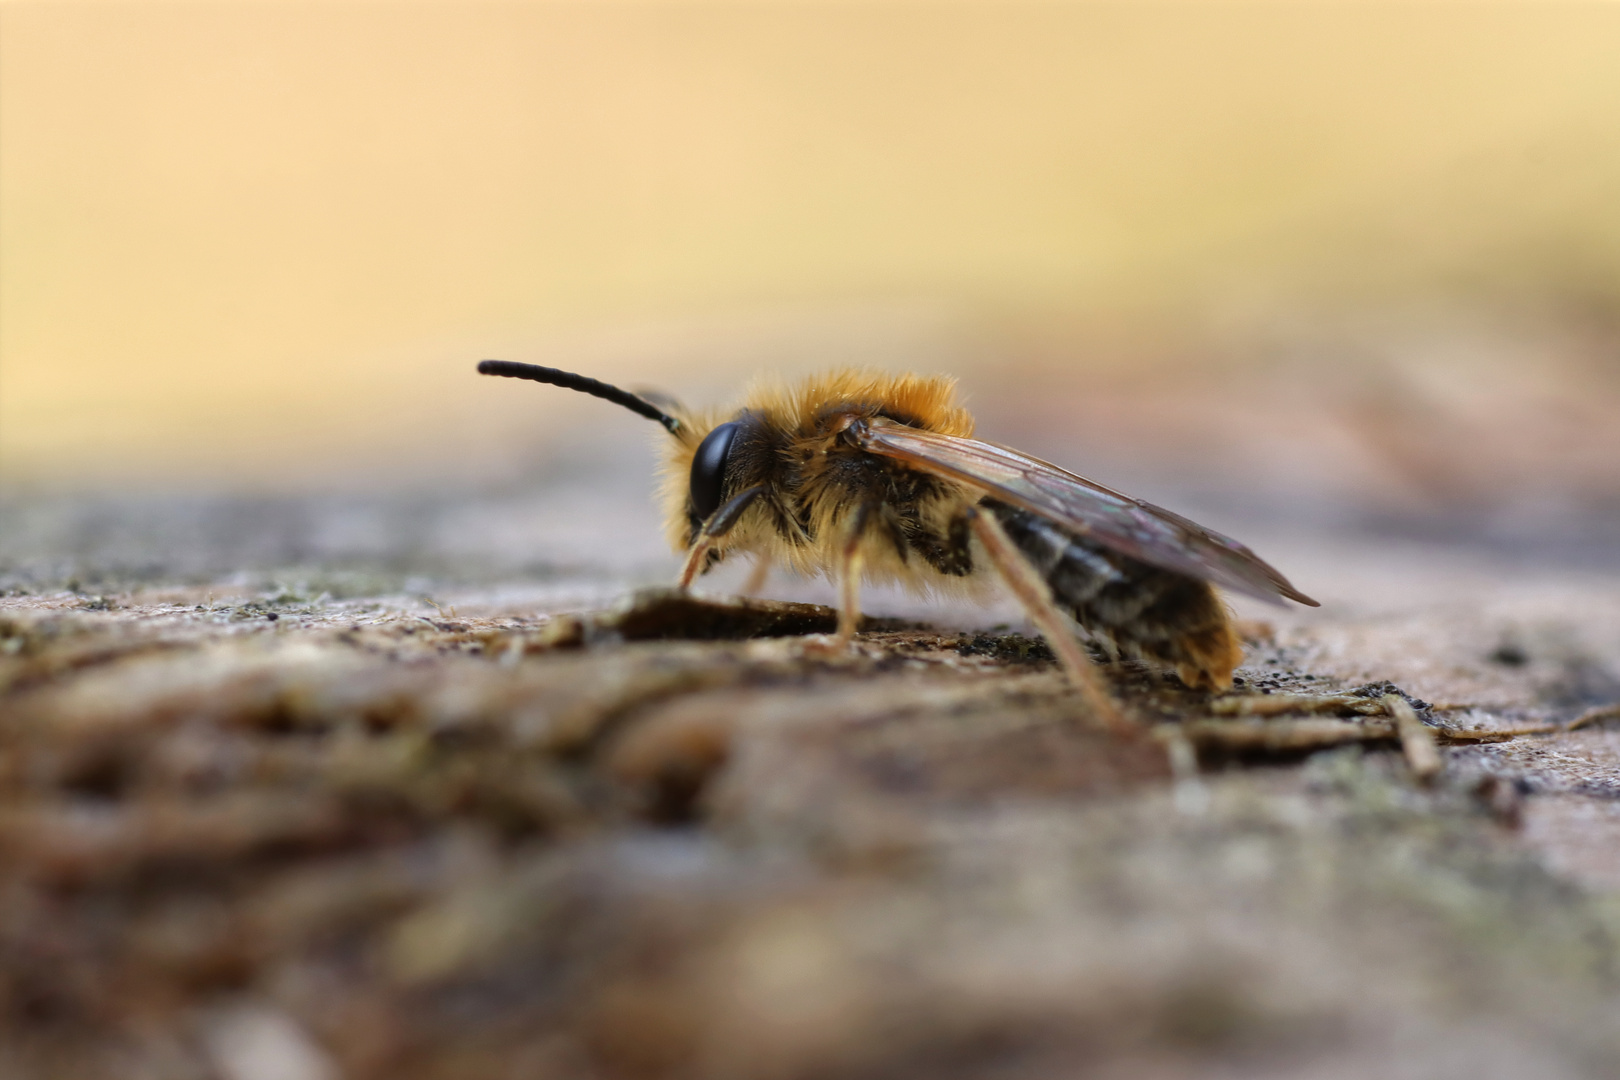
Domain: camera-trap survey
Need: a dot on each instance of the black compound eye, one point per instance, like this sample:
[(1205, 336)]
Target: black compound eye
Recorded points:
[(709, 469)]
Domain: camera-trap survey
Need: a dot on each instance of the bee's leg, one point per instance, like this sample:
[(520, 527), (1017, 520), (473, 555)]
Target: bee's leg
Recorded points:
[(849, 587), (849, 578), (756, 577), (719, 523), (1036, 597), (695, 562)]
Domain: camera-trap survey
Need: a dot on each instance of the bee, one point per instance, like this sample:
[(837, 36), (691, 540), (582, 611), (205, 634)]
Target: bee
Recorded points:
[(862, 476)]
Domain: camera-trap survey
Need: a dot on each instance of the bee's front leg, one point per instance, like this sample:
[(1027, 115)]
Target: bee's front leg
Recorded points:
[(719, 523), (1036, 597)]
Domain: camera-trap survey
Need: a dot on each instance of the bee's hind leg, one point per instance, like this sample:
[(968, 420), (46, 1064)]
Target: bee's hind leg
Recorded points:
[(1036, 597), (719, 523)]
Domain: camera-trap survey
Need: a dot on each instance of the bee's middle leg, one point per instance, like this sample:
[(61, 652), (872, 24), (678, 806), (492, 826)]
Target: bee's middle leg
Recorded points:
[(849, 579), (1036, 597), (849, 585)]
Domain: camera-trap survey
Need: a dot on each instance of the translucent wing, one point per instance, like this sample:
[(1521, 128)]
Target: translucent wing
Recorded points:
[(1130, 526)]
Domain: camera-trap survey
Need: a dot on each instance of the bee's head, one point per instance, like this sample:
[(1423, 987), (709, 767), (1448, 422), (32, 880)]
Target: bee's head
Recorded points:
[(722, 457)]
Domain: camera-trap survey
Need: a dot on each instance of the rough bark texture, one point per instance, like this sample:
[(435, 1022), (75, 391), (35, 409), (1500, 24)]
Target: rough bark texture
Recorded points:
[(251, 830)]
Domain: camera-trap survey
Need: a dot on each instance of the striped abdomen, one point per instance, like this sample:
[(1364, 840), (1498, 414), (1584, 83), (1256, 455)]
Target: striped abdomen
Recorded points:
[(1137, 610)]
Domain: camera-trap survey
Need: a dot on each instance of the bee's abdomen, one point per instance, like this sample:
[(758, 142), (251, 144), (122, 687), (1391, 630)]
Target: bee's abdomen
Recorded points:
[(1143, 611)]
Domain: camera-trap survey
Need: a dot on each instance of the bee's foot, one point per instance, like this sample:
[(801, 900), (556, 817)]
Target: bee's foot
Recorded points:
[(829, 645)]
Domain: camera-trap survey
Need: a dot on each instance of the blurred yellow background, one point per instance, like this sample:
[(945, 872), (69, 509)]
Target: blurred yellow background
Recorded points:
[(263, 244)]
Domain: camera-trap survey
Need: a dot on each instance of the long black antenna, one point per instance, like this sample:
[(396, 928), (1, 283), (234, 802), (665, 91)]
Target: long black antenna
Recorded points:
[(570, 381)]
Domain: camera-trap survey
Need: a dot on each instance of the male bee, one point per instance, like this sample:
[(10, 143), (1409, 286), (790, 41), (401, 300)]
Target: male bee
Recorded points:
[(864, 476)]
